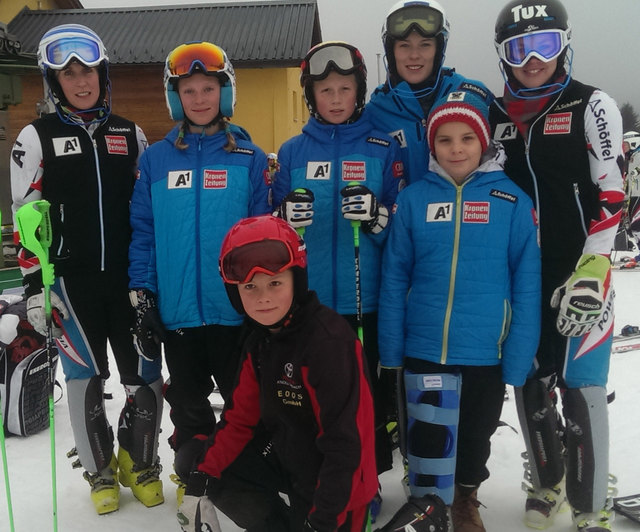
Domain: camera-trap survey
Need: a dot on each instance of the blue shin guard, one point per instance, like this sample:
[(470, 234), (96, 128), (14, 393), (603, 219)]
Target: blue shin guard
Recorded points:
[(433, 404)]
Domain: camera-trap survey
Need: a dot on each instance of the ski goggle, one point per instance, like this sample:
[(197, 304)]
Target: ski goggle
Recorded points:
[(545, 45), (265, 256), (206, 56), (58, 53), (425, 20), (334, 56)]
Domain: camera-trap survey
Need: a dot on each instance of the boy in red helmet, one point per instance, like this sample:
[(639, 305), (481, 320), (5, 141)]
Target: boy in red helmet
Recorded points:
[(300, 418)]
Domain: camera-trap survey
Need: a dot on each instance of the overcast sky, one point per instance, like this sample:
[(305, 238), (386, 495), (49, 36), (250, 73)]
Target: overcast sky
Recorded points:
[(606, 38)]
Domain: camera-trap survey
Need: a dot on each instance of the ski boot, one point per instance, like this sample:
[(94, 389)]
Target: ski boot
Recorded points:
[(180, 489), (144, 483), (543, 505), (593, 521), (105, 491)]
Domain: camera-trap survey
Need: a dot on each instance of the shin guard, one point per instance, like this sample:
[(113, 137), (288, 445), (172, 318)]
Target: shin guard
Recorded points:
[(539, 423), (586, 413), (91, 430), (139, 426), (433, 406)]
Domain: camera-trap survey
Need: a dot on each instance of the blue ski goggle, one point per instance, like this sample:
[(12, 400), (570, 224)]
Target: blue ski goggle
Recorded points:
[(60, 52), (545, 45)]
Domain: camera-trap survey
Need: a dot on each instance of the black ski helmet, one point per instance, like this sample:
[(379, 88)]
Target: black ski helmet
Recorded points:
[(337, 56), (522, 18)]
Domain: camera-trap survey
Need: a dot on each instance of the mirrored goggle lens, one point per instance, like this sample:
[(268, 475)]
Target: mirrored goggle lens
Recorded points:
[(266, 256), (59, 52), (185, 58), (341, 57), (545, 46), (426, 20)]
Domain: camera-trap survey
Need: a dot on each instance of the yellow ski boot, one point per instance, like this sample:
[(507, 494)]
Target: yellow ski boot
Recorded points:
[(180, 489), (144, 483), (105, 491)]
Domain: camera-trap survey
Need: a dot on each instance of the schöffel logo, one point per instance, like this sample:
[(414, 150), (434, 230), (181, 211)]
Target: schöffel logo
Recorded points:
[(557, 124), (116, 144)]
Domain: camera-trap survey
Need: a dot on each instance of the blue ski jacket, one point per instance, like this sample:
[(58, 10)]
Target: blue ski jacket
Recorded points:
[(400, 114), (324, 158), (183, 204), (461, 273)]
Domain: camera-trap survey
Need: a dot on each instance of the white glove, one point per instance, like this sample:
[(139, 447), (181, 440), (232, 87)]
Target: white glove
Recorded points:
[(198, 514), (297, 208), (582, 298), (36, 314), (359, 203)]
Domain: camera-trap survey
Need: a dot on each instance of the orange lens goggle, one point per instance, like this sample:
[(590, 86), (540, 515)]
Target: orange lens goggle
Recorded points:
[(204, 55)]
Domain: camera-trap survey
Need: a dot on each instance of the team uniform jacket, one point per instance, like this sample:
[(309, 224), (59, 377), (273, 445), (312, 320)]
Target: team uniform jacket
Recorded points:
[(570, 164), (461, 273), (399, 113), (308, 385), (324, 159), (183, 204), (82, 171)]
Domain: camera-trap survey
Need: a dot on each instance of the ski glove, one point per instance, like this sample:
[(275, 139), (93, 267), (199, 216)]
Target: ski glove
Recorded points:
[(582, 298), (37, 317), (148, 330), (197, 513), (359, 203), (297, 208)]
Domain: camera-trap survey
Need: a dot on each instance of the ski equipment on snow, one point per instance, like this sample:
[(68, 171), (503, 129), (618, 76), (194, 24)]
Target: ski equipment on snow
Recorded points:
[(34, 228), (628, 506)]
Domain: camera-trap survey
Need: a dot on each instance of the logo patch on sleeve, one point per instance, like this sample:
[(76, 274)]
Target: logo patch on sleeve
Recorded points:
[(179, 179), (398, 169), (214, 179), (557, 124), (503, 195), (475, 212), (400, 137), (354, 171), (66, 146), (318, 170), (116, 144), (439, 212)]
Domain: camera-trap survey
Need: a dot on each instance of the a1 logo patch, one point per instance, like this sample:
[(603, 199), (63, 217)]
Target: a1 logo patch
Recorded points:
[(318, 170), (439, 212), (66, 146), (179, 179)]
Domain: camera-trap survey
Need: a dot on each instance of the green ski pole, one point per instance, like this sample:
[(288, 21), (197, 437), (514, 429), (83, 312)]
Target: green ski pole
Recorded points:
[(7, 484), (34, 228), (355, 224)]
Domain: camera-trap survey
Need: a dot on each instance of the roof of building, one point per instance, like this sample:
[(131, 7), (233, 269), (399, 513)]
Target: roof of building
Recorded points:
[(252, 33)]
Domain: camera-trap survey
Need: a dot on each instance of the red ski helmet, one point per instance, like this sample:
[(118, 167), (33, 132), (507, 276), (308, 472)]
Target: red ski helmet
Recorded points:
[(261, 244)]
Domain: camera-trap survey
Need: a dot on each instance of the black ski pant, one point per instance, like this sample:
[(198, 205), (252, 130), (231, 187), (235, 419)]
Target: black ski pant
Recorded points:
[(194, 355)]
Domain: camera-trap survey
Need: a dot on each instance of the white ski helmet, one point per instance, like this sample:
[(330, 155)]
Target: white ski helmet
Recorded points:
[(633, 138), (74, 42), (427, 17), (203, 57)]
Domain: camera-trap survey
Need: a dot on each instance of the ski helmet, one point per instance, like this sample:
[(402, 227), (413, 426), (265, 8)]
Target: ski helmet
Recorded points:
[(337, 56), (203, 57), (633, 138), (427, 17), (74, 42), (531, 28), (261, 244)]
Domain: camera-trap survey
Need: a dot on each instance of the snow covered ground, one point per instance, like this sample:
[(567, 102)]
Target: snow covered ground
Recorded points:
[(30, 473)]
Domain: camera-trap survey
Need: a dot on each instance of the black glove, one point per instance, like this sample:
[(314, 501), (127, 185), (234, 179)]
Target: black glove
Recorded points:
[(297, 208), (359, 203), (148, 331), (197, 512)]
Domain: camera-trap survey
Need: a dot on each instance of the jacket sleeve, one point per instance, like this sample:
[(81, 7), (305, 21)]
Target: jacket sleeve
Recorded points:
[(142, 249), (259, 175), (237, 424), (521, 344), (26, 168), (343, 406), (397, 268), (282, 182), (603, 133)]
